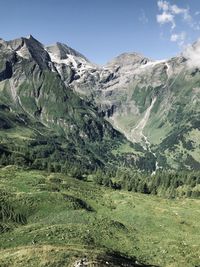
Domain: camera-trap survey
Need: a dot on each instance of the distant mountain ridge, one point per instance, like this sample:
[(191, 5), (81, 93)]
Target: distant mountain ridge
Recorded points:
[(155, 104)]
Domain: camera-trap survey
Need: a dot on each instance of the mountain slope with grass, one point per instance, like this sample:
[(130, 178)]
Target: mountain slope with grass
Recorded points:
[(47, 125), (50, 219)]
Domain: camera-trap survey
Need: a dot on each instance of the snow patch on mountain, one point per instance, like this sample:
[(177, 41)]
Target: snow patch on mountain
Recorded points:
[(152, 63)]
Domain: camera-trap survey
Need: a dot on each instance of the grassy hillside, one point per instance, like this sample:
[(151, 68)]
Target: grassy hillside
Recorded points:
[(49, 219)]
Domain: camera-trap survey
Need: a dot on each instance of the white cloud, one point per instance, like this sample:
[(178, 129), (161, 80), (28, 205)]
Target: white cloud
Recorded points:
[(177, 10), (170, 12), (143, 18), (174, 38), (195, 25), (178, 38), (163, 5), (192, 54), (166, 18), (188, 18)]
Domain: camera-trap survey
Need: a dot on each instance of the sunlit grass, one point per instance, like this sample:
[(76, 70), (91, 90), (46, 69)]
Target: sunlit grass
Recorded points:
[(67, 218)]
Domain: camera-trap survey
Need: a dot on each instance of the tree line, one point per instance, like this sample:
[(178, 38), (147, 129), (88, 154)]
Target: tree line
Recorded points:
[(52, 158)]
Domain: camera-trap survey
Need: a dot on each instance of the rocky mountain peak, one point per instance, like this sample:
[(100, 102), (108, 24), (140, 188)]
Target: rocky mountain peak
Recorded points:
[(28, 41), (70, 64), (30, 48), (128, 59), (2, 43), (62, 50)]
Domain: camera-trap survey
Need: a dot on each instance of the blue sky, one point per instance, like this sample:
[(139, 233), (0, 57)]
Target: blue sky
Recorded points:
[(102, 29)]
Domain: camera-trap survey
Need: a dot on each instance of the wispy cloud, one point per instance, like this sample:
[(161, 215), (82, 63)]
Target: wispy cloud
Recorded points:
[(177, 10), (178, 38), (163, 5), (166, 18), (168, 13), (143, 17)]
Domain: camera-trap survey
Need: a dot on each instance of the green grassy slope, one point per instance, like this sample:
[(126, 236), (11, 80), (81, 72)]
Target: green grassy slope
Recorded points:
[(52, 219)]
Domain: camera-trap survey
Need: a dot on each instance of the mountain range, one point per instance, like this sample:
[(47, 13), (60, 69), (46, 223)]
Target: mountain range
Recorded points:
[(57, 106)]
